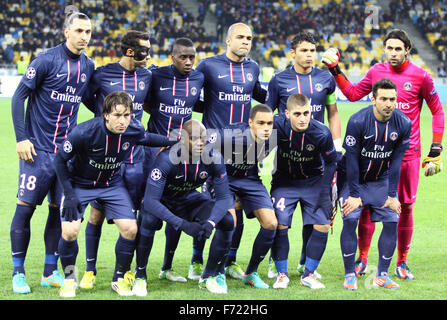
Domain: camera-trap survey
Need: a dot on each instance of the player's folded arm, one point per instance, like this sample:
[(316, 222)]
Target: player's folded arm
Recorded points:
[(154, 192)]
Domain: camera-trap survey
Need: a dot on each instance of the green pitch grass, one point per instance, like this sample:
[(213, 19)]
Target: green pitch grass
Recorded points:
[(427, 258)]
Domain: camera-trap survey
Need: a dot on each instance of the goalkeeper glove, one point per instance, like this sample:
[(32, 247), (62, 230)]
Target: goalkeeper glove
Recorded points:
[(331, 57), (433, 162)]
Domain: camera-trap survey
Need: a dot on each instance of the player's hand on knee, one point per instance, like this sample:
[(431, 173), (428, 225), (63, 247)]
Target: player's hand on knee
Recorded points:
[(25, 150), (207, 228), (351, 204), (71, 207), (393, 204), (194, 229), (433, 162), (331, 57)]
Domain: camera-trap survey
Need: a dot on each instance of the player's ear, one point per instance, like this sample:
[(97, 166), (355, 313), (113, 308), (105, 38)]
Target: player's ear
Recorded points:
[(130, 52)]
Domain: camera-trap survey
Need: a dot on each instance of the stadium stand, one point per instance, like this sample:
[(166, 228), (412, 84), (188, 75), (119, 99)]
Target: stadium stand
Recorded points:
[(430, 18), (28, 27), (335, 23)]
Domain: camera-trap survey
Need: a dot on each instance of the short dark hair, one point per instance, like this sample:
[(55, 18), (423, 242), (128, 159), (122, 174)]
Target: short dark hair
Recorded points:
[(131, 40), (301, 37), (259, 108), (71, 13), (384, 83), (400, 35), (185, 42), (114, 99), (297, 99)]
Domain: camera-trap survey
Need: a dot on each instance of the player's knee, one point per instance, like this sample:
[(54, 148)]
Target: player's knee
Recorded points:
[(271, 223), (150, 222), (70, 230), (227, 223), (129, 230), (322, 227), (96, 216)]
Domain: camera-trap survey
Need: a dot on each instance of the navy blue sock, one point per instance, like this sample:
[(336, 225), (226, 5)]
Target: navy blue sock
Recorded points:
[(172, 238), (52, 234), (92, 236), (124, 250), (236, 238), (348, 244), (387, 245), (314, 251), (280, 250), (145, 239), (261, 246), (307, 232), (218, 253), (68, 251), (20, 235), (197, 250)]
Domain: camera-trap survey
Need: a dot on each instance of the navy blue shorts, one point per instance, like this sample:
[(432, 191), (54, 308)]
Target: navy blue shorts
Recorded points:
[(286, 195), (38, 179), (252, 194), (134, 177), (115, 201), (374, 194)]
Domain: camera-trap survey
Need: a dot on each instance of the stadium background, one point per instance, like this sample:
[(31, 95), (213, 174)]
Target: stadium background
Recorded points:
[(356, 27)]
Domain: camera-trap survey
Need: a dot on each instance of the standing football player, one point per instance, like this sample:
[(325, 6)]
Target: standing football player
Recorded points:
[(53, 84), (413, 86), (130, 75), (376, 140), (231, 81), (319, 86)]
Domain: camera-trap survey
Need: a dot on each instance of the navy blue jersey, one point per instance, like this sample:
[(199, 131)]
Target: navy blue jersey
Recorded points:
[(173, 96), (302, 155), (172, 181), (58, 79), (228, 89), (240, 151), (97, 153), (372, 146), (113, 77), (316, 85)]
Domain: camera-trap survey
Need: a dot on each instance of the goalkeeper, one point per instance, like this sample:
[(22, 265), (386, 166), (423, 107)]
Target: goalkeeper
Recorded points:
[(414, 85)]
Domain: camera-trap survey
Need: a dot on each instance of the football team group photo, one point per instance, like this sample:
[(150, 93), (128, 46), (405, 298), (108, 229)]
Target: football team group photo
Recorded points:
[(282, 150)]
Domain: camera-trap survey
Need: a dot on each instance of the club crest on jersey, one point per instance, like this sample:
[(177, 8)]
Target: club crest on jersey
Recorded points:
[(393, 136), (350, 141), (203, 175), (141, 85), (408, 86), (30, 73), (83, 77), (156, 174), (310, 147), (67, 146), (193, 91), (126, 145), (318, 87), (249, 77), (212, 137)]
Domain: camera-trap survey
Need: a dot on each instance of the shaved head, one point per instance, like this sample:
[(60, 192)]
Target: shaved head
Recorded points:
[(237, 26)]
